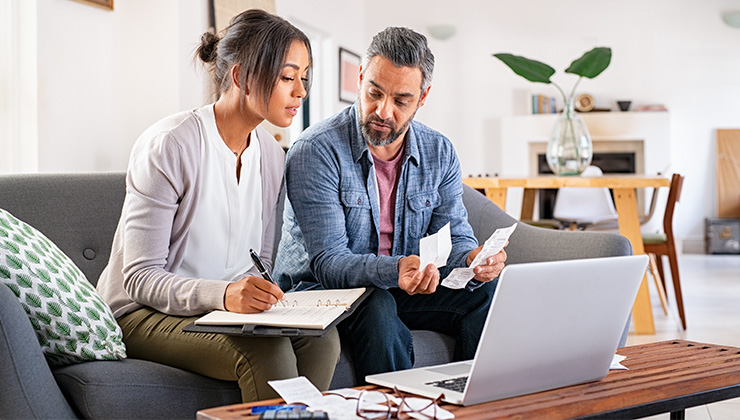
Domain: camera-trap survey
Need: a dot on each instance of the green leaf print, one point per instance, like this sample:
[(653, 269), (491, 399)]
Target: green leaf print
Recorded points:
[(63, 285), (44, 317), (88, 354), (98, 346), (54, 308), (83, 336), (13, 262), (52, 335), (10, 246), (43, 275), (112, 325), (3, 233), (4, 272), (43, 342), (59, 349), (92, 313), (74, 319), (33, 300), (98, 305), (33, 257), (29, 231), (46, 291), (101, 332), (51, 267), (63, 329), (35, 323), (25, 281), (14, 287), (73, 305), (71, 345), (26, 307), (20, 239)]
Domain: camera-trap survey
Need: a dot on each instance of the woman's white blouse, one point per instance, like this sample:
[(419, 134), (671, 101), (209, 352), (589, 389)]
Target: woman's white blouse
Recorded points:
[(228, 218)]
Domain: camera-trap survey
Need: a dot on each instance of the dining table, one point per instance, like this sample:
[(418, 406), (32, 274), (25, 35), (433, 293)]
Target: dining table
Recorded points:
[(624, 189)]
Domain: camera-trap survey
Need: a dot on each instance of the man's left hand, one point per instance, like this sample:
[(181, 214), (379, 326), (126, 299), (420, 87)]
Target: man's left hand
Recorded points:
[(491, 268)]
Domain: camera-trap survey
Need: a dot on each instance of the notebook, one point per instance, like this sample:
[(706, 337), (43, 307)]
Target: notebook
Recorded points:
[(550, 324), (308, 312)]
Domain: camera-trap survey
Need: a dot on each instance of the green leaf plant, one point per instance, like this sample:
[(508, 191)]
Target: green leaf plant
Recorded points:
[(589, 65)]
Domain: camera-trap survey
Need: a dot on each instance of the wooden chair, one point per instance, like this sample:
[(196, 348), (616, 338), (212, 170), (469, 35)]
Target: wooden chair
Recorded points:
[(663, 244)]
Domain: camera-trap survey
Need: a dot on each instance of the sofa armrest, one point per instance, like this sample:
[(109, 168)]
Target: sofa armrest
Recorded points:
[(533, 244), (29, 388)]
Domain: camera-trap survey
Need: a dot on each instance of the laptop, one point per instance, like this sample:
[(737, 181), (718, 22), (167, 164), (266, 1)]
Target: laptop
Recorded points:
[(550, 325)]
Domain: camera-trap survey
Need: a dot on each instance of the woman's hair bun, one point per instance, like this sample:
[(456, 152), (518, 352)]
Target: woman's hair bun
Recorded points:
[(207, 49)]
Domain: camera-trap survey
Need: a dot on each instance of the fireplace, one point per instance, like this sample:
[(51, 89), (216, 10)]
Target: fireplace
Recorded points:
[(613, 157)]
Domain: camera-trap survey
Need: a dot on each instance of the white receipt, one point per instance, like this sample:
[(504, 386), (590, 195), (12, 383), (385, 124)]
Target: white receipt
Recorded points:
[(617, 363), (295, 390), (459, 277), (436, 248)]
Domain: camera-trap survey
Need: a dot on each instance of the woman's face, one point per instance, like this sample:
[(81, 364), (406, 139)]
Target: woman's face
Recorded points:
[(290, 87)]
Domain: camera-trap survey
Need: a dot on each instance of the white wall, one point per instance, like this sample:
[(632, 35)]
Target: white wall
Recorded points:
[(105, 76)]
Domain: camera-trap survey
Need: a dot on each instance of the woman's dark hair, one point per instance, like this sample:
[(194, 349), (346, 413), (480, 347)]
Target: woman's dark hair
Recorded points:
[(258, 42)]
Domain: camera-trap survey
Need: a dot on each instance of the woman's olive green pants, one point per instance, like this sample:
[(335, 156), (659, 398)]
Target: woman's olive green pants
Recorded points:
[(251, 361)]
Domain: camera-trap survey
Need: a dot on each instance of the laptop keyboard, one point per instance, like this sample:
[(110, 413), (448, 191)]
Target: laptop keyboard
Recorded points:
[(453, 384)]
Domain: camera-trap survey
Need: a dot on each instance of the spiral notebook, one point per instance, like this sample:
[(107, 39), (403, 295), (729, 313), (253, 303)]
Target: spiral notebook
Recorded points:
[(303, 313)]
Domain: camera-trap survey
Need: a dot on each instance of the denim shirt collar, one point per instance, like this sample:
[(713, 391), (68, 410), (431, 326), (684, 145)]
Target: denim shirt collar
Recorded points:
[(359, 145)]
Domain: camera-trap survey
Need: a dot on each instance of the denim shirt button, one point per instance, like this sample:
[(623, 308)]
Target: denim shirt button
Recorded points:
[(428, 203), (359, 201)]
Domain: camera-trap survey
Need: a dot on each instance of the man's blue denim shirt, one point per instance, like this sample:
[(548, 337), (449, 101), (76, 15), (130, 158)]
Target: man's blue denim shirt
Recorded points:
[(332, 187)]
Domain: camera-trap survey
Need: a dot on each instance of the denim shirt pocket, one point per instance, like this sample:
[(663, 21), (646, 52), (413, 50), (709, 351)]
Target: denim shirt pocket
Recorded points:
[(421, 205), (357, 216)]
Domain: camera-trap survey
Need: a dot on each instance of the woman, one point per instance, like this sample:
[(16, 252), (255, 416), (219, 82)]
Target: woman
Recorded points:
[(201, 191)]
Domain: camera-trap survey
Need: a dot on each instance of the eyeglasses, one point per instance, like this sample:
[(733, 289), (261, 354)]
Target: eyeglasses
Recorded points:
[(380, 405)]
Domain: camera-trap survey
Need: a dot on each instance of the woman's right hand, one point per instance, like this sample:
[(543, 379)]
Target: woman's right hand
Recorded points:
[(251, 295)]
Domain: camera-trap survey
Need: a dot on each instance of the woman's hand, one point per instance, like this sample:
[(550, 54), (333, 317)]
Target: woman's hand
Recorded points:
[(491, 268), (251, 295), (414, 281)]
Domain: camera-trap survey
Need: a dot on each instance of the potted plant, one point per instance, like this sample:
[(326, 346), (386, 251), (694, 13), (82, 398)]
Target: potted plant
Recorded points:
[(569, 149)]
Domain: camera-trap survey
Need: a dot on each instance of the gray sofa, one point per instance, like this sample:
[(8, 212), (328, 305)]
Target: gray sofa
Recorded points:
[(79, 212)]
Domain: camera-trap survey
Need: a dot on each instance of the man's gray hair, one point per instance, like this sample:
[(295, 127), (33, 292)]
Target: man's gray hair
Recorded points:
[(404, 48)]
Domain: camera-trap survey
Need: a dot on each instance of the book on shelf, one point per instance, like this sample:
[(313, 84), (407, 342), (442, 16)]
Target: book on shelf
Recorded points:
[(542, 104), (307, 312)]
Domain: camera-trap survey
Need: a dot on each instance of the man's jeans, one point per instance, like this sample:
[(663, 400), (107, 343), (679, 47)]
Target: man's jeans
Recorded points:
[(379, 330)]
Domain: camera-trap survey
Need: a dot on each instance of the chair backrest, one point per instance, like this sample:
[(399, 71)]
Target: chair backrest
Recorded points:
[(674, 196), (585, 205)]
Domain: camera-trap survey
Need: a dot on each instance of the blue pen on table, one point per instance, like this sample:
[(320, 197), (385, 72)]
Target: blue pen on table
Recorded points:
[(260, 266)]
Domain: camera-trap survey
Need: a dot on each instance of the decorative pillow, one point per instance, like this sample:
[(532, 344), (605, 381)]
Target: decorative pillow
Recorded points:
[(72, 322)]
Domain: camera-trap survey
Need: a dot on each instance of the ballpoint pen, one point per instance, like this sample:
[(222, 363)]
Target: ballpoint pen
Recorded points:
[(260, 266)]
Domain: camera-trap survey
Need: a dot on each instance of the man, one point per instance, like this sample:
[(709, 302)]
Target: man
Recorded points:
[(365, 186)]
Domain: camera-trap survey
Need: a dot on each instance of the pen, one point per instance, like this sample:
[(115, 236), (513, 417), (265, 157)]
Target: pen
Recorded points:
[(260, 266)]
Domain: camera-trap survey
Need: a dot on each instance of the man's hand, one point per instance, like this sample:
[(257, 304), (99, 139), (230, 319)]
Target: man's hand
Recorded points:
[(491, 268), (251, 295), (414, 281)]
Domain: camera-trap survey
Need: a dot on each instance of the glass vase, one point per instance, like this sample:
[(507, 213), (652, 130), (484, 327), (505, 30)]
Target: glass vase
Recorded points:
[(569, 150)]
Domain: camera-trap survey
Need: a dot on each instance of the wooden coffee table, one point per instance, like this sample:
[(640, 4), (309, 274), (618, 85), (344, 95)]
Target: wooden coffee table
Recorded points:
[(668, 376)]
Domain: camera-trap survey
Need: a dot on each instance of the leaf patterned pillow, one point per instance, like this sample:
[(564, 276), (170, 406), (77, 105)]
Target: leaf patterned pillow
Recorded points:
[(72, 322)]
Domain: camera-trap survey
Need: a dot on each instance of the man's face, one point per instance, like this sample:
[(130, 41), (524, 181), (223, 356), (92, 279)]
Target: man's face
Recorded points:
[(389, 98)]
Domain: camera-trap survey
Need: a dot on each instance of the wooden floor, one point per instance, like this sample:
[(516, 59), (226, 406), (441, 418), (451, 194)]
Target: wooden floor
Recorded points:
[(711, 291)]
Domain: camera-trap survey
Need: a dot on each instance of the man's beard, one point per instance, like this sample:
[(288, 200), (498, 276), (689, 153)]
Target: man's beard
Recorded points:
[(376, 138)]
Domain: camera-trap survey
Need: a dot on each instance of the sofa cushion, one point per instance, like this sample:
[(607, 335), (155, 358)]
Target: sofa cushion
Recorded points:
[(140, 389), (71, 321)]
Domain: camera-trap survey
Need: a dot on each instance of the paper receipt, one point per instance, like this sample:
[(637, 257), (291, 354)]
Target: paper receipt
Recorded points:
[(459, 277)]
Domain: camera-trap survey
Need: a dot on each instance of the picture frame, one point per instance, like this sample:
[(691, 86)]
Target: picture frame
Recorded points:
[(105, 4), (349, 70)]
